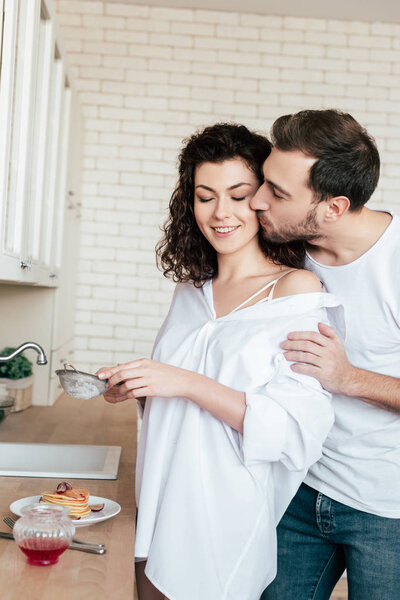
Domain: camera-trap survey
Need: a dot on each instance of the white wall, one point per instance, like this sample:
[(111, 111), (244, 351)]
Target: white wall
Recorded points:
[(150, 76)]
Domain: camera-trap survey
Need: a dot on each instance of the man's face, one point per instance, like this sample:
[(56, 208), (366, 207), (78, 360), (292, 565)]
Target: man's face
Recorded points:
[(285, 205)]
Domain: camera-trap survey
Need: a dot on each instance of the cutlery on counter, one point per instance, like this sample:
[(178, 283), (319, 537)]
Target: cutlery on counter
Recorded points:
[(76, 544), (72, 546)]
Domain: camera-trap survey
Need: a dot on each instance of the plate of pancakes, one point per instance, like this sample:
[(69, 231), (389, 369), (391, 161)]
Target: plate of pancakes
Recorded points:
[(84, 509)]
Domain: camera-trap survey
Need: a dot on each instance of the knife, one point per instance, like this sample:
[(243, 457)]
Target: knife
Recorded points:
[(72, 546)]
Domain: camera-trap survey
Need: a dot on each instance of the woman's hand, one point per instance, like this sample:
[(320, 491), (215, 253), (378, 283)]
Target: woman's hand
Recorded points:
[(144, 377), (112, 395)]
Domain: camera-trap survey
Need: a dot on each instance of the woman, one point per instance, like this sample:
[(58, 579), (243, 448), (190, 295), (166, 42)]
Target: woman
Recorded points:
[(229, 430)]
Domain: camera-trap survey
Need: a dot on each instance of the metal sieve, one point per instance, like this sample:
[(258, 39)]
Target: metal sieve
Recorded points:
[(79, 384)]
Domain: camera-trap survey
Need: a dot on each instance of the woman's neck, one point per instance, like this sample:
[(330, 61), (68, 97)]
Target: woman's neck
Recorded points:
[(248, 262)]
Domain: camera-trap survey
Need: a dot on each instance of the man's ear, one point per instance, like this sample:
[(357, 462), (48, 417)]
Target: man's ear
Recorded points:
[(336, 207)]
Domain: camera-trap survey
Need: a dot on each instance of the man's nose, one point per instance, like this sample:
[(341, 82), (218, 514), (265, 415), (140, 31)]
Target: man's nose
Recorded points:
[(260, 199)]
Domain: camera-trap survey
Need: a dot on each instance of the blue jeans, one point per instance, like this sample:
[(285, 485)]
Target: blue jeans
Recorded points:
[(318, 538)]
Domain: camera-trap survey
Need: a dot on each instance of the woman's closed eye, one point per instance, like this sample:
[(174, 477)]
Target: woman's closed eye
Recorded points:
[(233, 198)]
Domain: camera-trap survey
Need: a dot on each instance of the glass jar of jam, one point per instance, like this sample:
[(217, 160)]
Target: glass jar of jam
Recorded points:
[(44, 532)]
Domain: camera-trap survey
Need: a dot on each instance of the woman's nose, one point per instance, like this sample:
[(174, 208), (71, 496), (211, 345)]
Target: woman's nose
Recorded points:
[(260, 199), (222, 209)]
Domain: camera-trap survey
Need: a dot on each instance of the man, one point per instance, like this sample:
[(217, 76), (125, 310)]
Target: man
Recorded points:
[(322, 170)]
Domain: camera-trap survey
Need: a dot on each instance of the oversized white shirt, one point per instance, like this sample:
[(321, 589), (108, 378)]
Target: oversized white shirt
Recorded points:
[(360, 465), (210, 498)]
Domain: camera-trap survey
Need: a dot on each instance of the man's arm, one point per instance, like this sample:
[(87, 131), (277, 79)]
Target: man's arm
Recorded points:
[(323, 356)]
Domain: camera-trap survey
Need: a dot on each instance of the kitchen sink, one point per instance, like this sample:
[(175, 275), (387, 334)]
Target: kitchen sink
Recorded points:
[(59, 460)]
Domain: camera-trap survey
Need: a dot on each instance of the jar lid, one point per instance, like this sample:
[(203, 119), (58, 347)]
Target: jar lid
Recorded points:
[(45, 510)]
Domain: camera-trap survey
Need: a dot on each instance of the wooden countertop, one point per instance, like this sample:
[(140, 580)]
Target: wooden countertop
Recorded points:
[(78, 575)]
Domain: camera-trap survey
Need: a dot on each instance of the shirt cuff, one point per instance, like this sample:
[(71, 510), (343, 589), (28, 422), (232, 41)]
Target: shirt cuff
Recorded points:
[(264, 429)]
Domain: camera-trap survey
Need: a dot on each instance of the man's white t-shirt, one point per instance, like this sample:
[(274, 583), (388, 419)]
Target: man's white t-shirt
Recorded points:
[(360, 466)]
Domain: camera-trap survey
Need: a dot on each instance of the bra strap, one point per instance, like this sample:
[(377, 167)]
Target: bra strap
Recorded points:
[(265, 287), (270, 295)]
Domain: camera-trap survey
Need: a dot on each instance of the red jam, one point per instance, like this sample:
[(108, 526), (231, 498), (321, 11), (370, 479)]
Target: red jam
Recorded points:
[(43, 551)]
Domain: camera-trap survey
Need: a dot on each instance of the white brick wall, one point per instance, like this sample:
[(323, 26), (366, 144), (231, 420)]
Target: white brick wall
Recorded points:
[(150, 76)]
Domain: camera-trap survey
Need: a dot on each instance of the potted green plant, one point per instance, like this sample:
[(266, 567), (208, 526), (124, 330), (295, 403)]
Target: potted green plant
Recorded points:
[(17, 375)]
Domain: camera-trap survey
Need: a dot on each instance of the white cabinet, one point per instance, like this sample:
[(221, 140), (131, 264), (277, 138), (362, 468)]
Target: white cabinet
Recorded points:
[(35, 100), (40, 167), (42, 313)]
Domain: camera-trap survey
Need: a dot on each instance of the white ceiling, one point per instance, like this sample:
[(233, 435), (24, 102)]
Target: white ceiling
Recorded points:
[(355, 10)]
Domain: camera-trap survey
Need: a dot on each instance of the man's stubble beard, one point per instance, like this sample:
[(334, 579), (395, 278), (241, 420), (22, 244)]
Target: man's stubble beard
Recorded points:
[(307, 230)]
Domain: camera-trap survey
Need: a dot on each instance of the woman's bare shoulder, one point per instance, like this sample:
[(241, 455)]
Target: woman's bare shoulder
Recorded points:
[(299, 281)]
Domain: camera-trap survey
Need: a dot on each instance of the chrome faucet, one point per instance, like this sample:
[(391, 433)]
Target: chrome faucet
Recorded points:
[(41, 359)]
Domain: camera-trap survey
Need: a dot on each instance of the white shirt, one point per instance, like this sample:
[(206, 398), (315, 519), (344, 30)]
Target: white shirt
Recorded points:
[(360, 466), (210, 498)]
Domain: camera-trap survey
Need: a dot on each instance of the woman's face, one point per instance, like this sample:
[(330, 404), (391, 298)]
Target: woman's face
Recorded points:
[(222, 194)]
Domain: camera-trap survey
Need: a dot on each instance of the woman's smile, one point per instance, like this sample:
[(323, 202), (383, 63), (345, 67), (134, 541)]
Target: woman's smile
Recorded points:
[(225, 231)]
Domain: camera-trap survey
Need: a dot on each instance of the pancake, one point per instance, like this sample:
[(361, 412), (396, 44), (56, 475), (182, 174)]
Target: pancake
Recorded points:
[(74, 498)]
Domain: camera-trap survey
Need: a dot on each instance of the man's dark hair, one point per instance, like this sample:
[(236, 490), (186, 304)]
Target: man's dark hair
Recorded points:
[(348, 159), (184, 254)]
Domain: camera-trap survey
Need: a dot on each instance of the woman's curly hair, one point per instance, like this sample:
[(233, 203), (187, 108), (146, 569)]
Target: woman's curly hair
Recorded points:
[(183, 253)]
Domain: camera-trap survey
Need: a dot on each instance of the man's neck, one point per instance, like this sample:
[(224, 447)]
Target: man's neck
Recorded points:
[(350, 237)]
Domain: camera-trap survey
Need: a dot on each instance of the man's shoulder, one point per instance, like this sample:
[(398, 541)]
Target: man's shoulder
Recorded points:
[(395, 221), (390, 239)]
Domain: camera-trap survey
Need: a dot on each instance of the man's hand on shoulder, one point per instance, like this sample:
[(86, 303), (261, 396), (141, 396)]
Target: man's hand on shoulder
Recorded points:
[(322, 356)]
